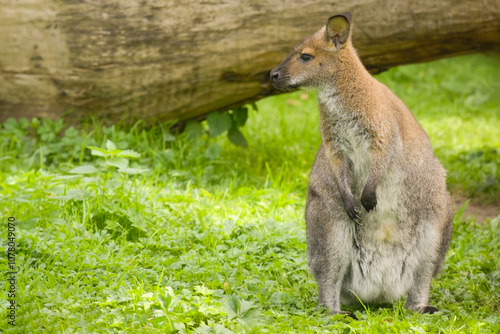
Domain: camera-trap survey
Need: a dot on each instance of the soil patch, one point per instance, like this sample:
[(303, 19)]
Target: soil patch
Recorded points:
[(474, 209)]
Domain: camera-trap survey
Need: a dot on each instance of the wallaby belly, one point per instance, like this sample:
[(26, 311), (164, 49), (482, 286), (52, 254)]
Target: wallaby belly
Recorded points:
[(387, 248), (377, 275)]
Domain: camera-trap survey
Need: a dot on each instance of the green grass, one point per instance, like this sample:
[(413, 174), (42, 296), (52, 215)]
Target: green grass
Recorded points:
[(211, 238)]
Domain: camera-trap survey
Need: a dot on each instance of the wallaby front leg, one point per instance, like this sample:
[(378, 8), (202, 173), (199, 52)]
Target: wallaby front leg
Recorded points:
[(343, 176), (380, 162)]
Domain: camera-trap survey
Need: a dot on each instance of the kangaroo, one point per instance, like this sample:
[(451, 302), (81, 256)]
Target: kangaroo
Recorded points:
[(378, 215)]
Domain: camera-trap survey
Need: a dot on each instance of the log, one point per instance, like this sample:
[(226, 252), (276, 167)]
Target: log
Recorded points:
[(163, 60)]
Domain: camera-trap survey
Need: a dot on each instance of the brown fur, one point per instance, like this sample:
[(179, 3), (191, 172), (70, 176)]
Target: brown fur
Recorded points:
[(378, 214)]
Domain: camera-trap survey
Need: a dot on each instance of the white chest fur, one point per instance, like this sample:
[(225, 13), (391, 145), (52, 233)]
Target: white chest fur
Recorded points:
[(341, 126)]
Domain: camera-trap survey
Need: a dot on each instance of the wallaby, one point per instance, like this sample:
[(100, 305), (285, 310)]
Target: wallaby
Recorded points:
[(378, 215)]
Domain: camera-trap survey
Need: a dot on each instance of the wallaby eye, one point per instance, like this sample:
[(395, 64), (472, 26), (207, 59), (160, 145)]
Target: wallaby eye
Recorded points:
[(305, 57)]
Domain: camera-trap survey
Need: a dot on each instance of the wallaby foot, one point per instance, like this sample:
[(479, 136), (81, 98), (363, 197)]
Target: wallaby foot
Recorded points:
[(423, 309), (323, 308), (347, 314), (428, 309)]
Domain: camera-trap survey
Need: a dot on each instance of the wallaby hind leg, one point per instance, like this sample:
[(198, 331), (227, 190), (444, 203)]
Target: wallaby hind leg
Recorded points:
[(445, 242), (329, 280), (418, 296), (328, 265)]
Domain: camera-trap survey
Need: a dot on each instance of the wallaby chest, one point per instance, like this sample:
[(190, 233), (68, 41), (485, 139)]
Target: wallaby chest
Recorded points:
[(344, 129)]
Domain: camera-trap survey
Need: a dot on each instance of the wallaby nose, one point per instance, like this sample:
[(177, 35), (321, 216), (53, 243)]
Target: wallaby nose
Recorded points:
[(274, 75)]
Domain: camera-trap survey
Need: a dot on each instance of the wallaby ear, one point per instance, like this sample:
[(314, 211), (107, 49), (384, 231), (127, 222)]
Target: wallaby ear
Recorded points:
[(338, 29)]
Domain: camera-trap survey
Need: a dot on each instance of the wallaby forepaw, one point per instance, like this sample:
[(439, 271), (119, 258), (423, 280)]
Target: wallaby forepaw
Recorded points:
[(351, 206), (368, 200), (429, 309), (353, 212)]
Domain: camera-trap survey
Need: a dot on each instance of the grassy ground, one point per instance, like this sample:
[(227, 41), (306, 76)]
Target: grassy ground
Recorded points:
[(210, 239)]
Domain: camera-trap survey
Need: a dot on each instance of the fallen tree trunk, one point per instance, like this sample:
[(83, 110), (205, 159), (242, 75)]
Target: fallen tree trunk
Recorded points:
[(164, 60)]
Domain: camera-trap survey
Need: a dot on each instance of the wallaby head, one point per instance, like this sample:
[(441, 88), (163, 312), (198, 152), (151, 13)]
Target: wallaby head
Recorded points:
[(314, 61)]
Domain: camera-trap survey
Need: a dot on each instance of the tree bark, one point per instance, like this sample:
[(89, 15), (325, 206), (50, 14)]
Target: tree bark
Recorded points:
[(162, 60)]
